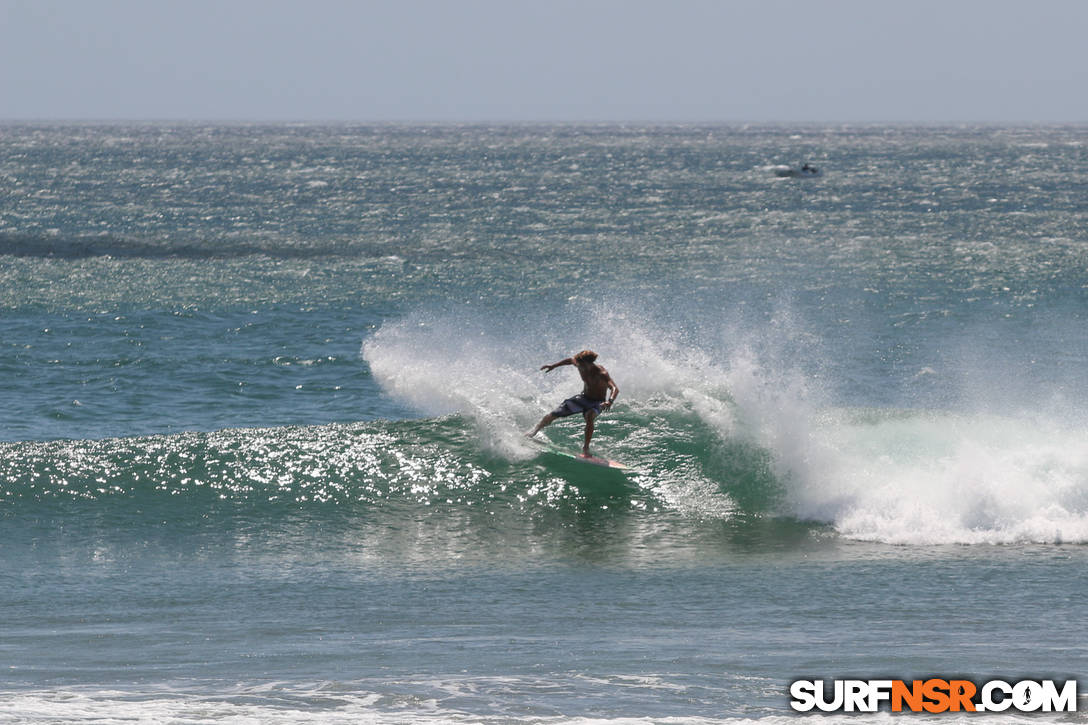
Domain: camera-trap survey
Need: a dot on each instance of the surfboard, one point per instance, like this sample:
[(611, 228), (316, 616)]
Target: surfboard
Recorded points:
[(549, 447)]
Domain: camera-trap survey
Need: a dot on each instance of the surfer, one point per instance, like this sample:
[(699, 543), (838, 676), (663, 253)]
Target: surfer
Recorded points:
[(597, 385)]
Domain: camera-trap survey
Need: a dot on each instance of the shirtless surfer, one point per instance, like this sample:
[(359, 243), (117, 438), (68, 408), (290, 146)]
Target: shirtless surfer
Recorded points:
[(591, 401)]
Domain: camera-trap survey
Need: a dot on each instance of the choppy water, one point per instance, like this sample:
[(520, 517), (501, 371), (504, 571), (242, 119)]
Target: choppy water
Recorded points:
[(262, 457)]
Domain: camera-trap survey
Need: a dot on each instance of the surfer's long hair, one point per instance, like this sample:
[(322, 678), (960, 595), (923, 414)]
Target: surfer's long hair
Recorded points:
[(585, 356)]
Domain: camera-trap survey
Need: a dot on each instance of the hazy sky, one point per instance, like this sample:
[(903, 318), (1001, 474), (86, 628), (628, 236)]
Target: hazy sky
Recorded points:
[(545, 60)]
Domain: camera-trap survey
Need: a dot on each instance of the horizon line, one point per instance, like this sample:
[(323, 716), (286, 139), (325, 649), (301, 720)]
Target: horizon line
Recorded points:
[(526, 122)]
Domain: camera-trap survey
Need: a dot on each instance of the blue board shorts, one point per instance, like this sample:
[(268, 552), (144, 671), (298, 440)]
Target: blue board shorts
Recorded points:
[(577, 404)]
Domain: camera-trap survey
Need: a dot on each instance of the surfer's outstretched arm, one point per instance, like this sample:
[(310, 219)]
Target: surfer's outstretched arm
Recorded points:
[(564, 361)]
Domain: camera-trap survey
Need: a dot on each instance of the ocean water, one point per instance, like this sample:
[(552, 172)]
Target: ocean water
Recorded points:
[(261, 452)]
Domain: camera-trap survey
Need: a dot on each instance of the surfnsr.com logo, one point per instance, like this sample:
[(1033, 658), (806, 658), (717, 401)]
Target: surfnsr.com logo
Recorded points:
[(933, 695)]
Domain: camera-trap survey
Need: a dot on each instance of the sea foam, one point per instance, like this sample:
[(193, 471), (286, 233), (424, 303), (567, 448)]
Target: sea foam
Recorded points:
[(927, 477)]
